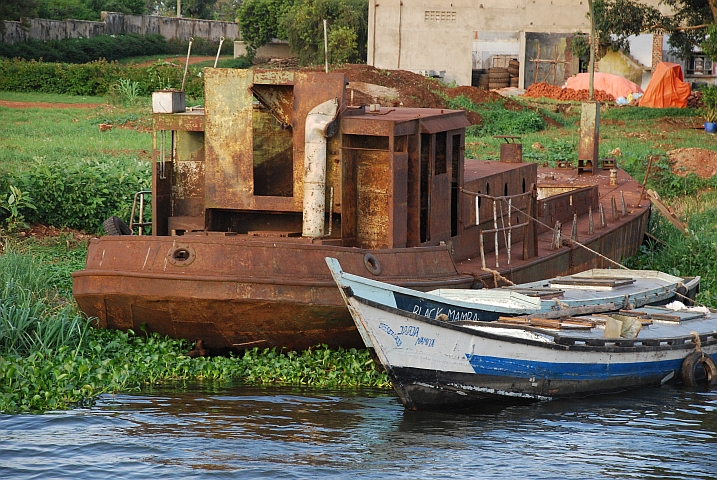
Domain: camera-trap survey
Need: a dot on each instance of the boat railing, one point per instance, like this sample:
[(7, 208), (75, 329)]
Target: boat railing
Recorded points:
[(136, 217), (528, 226)]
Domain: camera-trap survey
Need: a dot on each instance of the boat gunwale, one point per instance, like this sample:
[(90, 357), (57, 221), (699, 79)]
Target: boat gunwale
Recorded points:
[(670, 343), (288, 280)]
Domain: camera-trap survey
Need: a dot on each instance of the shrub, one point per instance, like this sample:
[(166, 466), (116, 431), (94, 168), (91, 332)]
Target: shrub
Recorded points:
[(94, 78), (81, 194), (497, 120), (83, 50)]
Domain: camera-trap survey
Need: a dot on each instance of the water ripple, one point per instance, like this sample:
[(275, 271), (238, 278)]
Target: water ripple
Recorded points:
[(249, 432)]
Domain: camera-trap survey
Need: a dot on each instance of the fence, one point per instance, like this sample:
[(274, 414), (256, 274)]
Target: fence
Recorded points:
[(118, 23)]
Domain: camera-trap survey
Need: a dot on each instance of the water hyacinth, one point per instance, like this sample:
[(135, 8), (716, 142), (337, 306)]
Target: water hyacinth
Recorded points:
[(52, 358)]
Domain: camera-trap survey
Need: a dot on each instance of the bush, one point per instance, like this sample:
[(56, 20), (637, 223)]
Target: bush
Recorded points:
[(94, 78), (83, 50), (109, 47), (81, 194), (497, 120)]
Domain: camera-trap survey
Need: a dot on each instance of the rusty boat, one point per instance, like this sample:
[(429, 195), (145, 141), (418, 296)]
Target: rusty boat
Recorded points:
[(278, 171)]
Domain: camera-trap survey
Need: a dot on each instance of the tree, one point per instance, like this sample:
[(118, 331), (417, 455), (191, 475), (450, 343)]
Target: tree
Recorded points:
[(17, 10), (260, 21), (347, 30), (199, 8), (62, 9), (689, 26), (616, 20)]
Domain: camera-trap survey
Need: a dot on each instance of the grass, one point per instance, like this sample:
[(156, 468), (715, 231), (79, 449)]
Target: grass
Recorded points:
[(631, 134), (29, 133)]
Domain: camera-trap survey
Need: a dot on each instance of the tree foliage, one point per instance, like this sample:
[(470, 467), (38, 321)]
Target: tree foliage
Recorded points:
[(690, 13), (616, 20), (261, 20), (347, 30), (688, 27), (17, 10), (198, 8)]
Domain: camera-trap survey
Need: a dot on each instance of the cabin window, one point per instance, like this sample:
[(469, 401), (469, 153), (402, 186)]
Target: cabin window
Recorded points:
[(273, 155), (365, 142), (425, 185), (505, 190), (455, 173), (400, 144), (440, 163), (523, 185)]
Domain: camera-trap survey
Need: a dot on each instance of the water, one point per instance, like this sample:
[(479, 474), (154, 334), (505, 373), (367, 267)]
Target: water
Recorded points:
[(245, 432)]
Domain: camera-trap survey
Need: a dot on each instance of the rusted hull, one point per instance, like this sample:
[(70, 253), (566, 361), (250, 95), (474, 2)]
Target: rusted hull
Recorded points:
[(236, 294)]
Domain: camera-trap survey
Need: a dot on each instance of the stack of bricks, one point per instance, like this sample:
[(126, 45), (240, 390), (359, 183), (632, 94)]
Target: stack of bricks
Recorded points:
[(657, 39)]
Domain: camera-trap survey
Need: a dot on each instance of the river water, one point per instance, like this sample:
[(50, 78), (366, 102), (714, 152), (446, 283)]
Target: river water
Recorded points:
[(279, 432)]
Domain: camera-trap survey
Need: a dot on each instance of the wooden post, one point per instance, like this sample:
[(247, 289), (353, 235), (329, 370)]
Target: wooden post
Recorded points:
[(510, 229), (495, 226), (527, 230), (614, 209)]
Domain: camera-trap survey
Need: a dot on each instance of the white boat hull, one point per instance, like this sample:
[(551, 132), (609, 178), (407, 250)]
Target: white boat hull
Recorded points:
[(437, 364)]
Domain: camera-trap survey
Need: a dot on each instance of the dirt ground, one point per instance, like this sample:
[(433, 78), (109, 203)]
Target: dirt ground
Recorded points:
[(12, 104), (181, 59), (699, 161), (42, 232)]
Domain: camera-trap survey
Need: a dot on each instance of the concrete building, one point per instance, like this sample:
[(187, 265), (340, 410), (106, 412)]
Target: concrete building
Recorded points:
[(452, 38)]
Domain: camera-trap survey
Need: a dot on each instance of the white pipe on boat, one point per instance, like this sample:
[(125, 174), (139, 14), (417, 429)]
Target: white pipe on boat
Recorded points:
[(317, 121)]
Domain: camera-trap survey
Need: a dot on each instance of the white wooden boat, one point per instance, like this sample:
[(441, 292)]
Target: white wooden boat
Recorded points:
[(436, 363)]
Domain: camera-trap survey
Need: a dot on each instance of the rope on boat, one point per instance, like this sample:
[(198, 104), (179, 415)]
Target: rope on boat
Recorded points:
[(497, 276), (698, 343)]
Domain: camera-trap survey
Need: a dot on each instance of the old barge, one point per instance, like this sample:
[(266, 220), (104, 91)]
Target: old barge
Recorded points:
[(278, 171)]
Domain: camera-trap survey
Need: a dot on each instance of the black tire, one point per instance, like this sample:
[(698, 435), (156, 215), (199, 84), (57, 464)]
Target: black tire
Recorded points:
[(372, 264), (116, 226), (497, 85), (497, 70), (698, 369)]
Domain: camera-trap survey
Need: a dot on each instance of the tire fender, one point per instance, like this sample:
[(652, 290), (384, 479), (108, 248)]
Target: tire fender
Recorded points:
[(689, 367)]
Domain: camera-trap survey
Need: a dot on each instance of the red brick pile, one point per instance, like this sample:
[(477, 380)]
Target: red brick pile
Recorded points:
[(544, 90)]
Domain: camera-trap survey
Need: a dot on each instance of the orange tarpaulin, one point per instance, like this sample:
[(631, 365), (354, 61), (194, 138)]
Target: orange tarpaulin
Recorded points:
[(608, 83), (666, 88)]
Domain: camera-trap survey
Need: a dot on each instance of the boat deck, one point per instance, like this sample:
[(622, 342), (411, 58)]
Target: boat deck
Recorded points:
[(660, 326)]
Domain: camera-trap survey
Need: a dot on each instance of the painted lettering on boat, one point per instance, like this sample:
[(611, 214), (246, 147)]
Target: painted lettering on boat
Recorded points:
[(408, 330), (453, 315), (390, 331), (429, 342)]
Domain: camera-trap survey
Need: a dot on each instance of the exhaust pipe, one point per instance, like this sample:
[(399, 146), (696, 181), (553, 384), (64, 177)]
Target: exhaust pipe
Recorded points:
[(315, 135)]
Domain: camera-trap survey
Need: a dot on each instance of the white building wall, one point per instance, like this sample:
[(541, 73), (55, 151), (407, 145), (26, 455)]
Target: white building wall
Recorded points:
[(452, 35)]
